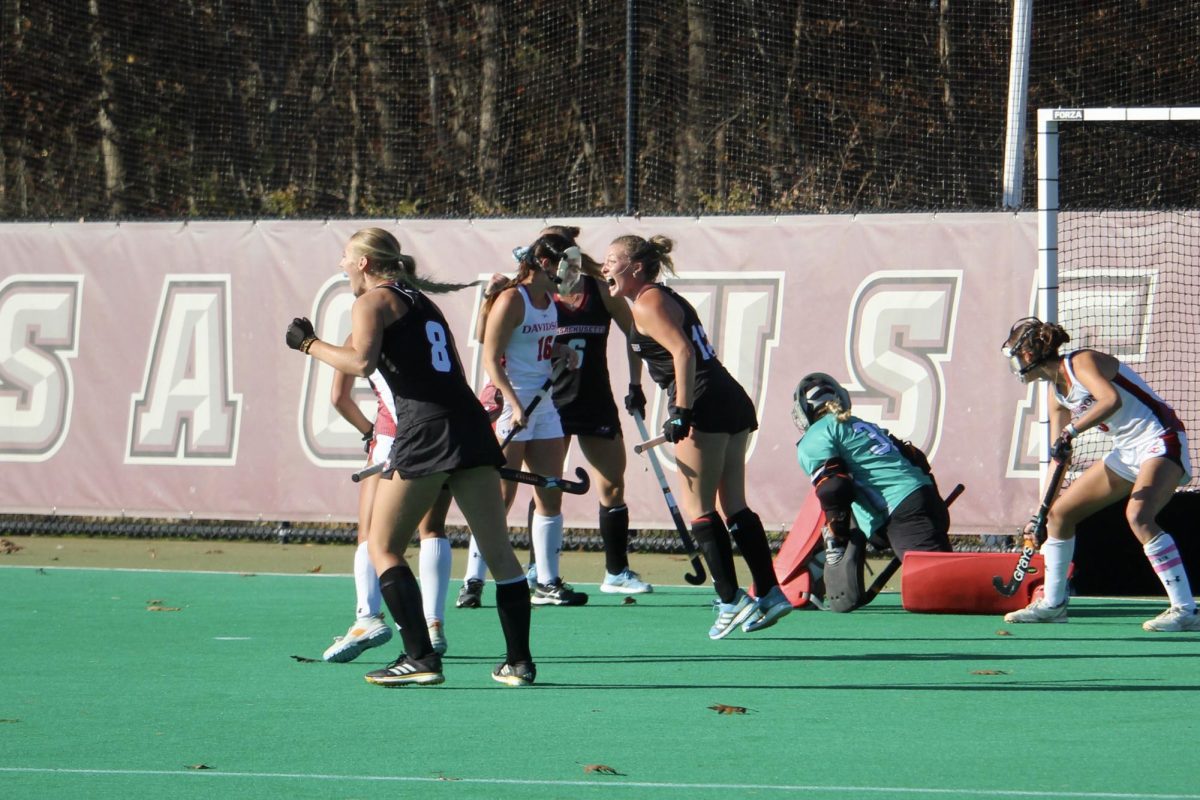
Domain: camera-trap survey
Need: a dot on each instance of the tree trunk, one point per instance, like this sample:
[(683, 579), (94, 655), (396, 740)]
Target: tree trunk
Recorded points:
[(691, 134), (371, 18), (110, 136), (488, 160)]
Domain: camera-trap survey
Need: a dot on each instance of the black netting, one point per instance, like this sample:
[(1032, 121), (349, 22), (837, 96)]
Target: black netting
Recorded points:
[(264, 108)]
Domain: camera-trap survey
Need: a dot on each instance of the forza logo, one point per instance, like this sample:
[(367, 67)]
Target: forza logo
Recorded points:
[(1068, 114)]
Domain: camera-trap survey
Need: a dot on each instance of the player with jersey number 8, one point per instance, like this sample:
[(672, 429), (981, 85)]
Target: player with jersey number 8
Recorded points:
[(443, 436), (711, 419)]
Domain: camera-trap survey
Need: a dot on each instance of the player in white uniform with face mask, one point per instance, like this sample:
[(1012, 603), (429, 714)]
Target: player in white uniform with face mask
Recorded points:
[(1149, 460)]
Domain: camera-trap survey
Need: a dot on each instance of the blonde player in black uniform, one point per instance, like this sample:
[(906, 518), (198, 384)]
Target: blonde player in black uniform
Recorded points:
[(710, 425), (442, 436), (585, 403)]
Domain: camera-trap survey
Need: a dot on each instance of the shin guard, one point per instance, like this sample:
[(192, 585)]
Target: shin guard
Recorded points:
[(402, 594), (747, 530), (712, 540), (513, 608)]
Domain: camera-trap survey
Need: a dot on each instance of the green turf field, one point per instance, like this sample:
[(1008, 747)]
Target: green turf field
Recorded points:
[(104, 697)]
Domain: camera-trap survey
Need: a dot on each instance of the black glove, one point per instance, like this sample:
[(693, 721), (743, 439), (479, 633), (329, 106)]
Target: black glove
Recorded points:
[(1061, 449), (677, 428), (367, 437), (299, 333), (635, 401)]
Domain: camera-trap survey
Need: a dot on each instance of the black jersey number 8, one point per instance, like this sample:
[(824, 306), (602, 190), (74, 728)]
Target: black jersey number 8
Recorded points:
[(438, 346)]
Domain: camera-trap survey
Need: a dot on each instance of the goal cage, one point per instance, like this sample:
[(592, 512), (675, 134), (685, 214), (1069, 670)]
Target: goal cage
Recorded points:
[(1119, 250)]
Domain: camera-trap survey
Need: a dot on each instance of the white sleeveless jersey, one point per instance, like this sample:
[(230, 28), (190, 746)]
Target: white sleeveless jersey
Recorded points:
[(527, 357), (385, 414), (1143, 415)]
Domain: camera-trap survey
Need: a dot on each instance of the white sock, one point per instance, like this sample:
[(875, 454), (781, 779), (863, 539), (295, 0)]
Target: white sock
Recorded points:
[(1168, 565), (546, 538), (366, 584), (434, 562), (476, 566), (1057, 554)]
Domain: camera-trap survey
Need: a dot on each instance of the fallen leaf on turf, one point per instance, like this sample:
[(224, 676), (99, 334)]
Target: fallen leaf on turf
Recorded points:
[(199, 766), (7, 547), (156, 605), (2, 721), (441, 776), (315, 569), (213, 552), (629, 601), (154, 602), (1004, 633), (724, 709), (601, 769), (304, 660), (989, 672)]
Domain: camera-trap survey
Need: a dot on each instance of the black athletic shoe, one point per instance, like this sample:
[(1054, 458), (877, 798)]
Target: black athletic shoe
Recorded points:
[(557, 593), (471, 594), (405, 671), (523, 673)]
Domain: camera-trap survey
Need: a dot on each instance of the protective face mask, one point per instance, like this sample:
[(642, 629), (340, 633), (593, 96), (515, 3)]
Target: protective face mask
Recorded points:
[(570, 270)]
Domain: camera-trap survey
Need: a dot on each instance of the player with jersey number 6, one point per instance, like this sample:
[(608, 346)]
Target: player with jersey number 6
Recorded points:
[(711, 419), (443, 436), (1088, 389)]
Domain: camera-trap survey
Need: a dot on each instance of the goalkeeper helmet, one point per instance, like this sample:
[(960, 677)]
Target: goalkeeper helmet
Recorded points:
[(1023, 337), (812, 393)]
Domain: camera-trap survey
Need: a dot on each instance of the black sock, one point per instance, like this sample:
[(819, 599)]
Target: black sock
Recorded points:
[(400, 591), (614, 531), (513, 608), (713, 542), (747, 530)]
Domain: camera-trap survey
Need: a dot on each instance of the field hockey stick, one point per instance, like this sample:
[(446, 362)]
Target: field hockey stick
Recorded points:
[(537, 398), (515, 475), (700, 576), (889, 570), (1030, 544), (549, 482), (649, 444)]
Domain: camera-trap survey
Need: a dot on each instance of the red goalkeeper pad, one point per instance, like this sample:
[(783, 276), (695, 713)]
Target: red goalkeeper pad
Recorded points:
[(802, 543), (961, 583)]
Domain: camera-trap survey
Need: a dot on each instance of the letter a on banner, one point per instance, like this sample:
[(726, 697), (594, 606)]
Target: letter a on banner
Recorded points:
[(187, 410)]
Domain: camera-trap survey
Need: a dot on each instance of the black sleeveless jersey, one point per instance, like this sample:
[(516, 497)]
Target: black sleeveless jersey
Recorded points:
[(719, 403), (585, 330), (419, 361)]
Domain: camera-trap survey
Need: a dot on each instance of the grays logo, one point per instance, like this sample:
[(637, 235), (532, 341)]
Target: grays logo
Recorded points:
[(1067, 114), (901, 332), (187, 411), (39, 336)]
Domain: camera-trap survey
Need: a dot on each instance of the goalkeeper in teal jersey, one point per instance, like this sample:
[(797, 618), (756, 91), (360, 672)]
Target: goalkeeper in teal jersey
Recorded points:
[(872, 487)]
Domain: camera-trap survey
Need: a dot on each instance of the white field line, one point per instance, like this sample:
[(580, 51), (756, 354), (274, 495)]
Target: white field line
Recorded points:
[(609, 782)]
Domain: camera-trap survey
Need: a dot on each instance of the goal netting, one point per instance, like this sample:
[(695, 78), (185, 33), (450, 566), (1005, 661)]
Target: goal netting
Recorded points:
[(1127, 224)]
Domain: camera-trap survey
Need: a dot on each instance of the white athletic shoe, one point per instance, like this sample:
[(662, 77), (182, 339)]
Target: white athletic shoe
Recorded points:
[(437, 636), (1039, 611), (625, 582), (730, 615), (770, 608), (1174, 620), (365, 633)]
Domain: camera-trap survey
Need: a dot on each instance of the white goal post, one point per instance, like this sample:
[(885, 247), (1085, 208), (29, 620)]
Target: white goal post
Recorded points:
[(1049, 122)]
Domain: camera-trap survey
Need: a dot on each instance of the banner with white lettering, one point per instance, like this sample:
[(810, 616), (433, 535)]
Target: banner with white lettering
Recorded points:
[(143, 369)]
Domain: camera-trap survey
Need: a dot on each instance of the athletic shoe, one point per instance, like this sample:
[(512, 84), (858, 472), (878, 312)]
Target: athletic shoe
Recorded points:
[(769, 609), (470, 595), (1174, 620), (531, 576), (437, 636), (557, 593), (730, 615), (365, 633), (625, 582), (405, 671), (1039, 611), (523, 673)]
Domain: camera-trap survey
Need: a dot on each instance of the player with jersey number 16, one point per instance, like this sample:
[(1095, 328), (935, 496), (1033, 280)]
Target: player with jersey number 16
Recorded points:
[(711, 419)]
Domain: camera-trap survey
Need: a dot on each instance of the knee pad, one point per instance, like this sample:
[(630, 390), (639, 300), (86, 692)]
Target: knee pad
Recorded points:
[(844, 582)]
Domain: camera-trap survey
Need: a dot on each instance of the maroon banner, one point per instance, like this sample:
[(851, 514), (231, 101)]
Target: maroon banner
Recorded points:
[(143, 369)]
